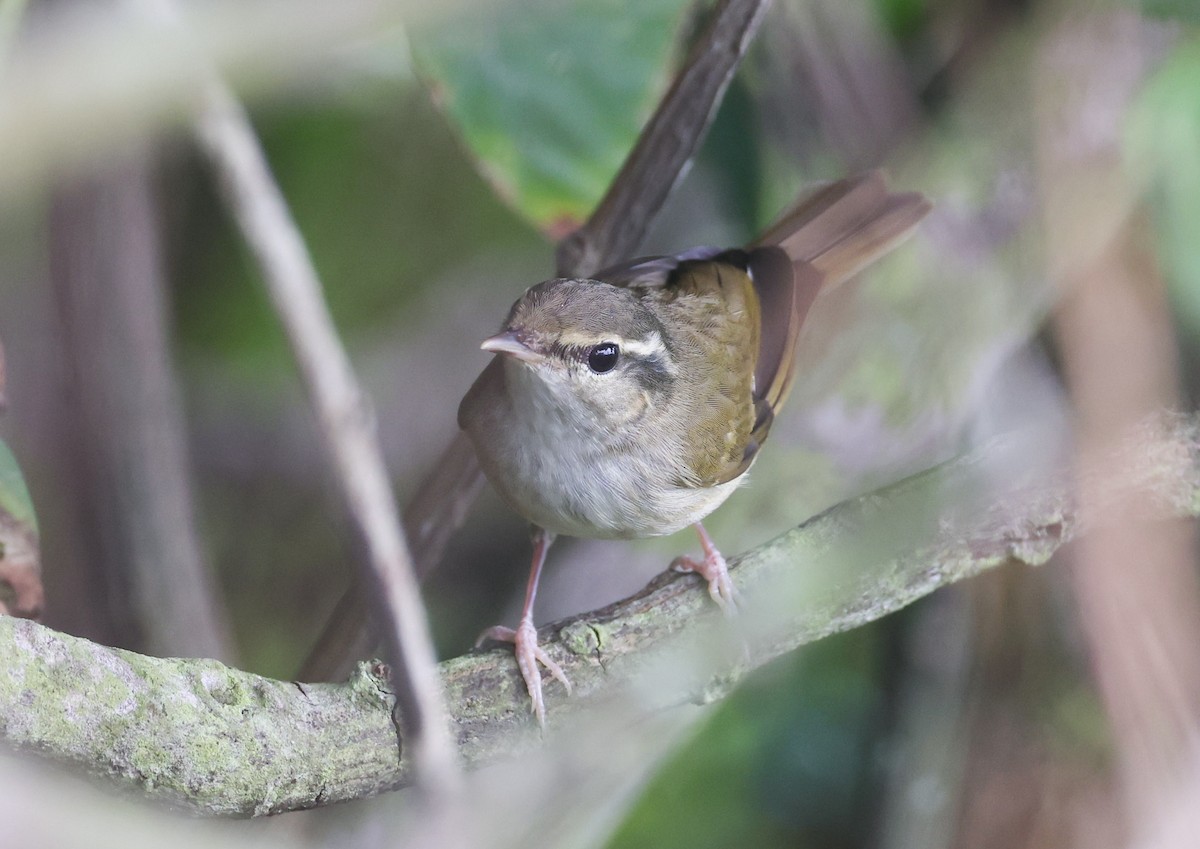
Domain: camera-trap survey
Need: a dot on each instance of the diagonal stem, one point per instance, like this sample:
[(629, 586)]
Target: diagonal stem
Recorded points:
[(666, 146)]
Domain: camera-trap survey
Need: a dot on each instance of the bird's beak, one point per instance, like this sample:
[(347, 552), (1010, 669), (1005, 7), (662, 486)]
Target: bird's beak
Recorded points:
[(509, 344)]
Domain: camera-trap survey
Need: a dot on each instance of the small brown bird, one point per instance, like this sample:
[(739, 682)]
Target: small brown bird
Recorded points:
[(633, 404)]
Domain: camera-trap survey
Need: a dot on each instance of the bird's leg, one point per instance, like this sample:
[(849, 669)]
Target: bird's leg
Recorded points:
[(524, 638), (713, 569)]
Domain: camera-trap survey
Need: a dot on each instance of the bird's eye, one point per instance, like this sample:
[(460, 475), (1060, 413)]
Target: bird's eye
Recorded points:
[(603, 357)]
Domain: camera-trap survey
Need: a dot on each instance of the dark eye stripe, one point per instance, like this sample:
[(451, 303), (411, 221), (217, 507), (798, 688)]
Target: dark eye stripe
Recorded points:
[(654, 374)]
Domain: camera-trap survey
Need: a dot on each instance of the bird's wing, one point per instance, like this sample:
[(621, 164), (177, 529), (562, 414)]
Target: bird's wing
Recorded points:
[(832, 233), (712, 306), (653, 272)]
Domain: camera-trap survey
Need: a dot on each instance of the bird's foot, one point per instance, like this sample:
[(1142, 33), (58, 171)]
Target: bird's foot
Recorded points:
[(714, 570), (529, 655)]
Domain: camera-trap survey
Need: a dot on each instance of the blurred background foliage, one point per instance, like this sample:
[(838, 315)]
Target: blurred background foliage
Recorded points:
[(430, 171)]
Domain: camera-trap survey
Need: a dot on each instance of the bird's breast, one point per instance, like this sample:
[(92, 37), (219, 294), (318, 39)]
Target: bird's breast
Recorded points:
[(560, 475)]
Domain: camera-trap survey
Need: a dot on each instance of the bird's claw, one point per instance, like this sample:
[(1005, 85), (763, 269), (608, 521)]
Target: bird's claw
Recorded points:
[(529, 655), (715, 570)]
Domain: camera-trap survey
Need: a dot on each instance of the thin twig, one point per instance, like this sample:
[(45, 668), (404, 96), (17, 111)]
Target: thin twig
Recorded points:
[(666, 146), (345, 416), (347, 424)]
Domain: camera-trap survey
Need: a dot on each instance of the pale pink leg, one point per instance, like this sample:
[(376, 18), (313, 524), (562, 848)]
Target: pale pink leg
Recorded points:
[(524, 638), (713, 569)]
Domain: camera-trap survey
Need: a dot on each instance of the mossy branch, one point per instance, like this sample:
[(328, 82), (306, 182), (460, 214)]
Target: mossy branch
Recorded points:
[(220, 741)]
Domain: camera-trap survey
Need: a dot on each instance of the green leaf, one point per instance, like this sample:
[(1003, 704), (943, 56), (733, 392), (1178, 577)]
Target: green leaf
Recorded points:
[(14, 495), (550, 96), (1179, 10)]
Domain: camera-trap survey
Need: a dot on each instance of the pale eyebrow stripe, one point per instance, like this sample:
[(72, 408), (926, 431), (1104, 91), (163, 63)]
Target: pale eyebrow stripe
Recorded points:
[(652, 348)]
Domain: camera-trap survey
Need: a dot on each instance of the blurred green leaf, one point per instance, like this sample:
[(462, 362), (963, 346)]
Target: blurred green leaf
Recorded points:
[(1181, 10), (21, 591), (550, 97), (14, 495), (783, 763), (1163, 143), (902, 18), (732, 153)]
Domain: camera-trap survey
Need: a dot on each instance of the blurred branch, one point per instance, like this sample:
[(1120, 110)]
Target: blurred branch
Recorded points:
[(33, 799), (234, 743), (844, 66), (132, 482), (343, 410), (1115, 336), (931, 726), (653, 168), (666, 146), (97, 77)]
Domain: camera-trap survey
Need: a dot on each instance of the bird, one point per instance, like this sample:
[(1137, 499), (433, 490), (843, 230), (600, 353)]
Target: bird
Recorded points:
[(633, 403)]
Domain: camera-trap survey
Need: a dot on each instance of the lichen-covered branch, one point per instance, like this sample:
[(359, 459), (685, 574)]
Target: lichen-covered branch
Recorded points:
[(194, 733), (220, 741)]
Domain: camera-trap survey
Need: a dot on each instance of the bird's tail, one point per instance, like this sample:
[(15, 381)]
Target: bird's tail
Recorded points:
[(842, 227), (829, 235)]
